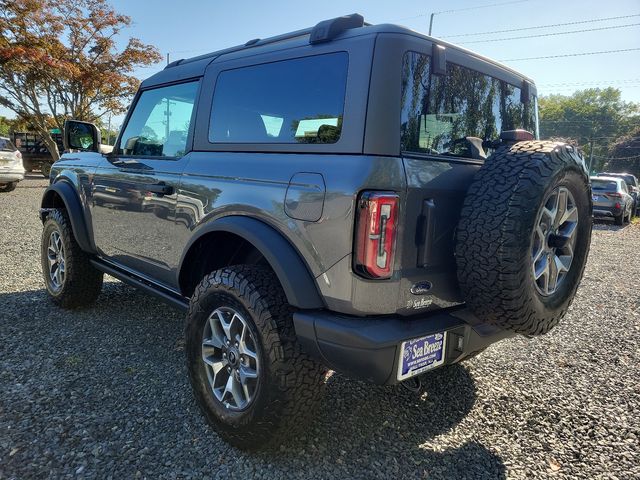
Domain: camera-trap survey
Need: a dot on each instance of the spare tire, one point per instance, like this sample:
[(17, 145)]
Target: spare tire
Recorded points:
[(524, 235)]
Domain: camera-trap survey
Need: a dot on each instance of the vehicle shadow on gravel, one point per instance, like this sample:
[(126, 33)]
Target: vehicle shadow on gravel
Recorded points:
[(607, 225), (110, 395), (390, 432)]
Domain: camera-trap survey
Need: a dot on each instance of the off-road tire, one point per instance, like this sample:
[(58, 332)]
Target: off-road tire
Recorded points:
[(290, 383), (8, 187), (82, 283), (495, 235)]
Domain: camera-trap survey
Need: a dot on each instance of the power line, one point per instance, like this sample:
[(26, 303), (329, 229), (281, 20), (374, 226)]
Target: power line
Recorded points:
[(618, 158), (542, 26), (570, 55), (552, 34), (579, 121), (597, 82), (464, 9)]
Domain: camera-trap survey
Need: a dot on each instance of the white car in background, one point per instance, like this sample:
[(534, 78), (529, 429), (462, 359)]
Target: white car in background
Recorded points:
[(11, 168)]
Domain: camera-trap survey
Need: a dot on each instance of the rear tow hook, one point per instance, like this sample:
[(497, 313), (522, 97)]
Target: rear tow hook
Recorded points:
[(414, 384)]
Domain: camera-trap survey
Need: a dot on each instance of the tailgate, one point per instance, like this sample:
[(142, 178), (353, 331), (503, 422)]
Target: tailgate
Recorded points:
[(435, 194)]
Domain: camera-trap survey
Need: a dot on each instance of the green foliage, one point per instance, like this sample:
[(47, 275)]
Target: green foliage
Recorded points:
[(624, 154), (5, 127), (593, 115)]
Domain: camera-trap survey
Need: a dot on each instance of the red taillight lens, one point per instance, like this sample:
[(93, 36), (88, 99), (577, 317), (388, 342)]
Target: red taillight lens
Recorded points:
[(19, 155), (376, 231), (613, 194), (617, 205)]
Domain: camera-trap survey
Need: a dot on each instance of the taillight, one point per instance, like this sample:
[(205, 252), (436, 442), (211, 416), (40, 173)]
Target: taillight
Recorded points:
[(18, 155), (613, 194), (376, 231)]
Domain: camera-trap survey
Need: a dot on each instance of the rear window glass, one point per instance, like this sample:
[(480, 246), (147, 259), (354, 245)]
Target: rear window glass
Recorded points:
[(292, 101), (452, 114), (607, 185), (629, 180), (6, 145)]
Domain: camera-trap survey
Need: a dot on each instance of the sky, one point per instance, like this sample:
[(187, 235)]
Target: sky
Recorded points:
[(188, 28)]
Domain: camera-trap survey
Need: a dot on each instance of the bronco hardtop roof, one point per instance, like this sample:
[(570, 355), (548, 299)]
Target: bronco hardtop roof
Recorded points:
[(348, 26)]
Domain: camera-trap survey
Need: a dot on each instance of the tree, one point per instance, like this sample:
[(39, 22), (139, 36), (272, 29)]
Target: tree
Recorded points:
[(59, 60), (624, 154), (590, 117), (5, 126)]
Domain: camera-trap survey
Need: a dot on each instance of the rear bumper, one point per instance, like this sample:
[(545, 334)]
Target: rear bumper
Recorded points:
[(368, 348), (608, 212), (11, 176)]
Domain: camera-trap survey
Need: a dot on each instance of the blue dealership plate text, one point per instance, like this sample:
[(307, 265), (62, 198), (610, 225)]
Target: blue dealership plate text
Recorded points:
[(421, 354)]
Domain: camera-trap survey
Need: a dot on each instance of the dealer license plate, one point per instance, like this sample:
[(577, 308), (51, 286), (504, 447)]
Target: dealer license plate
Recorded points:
[(421, 354)]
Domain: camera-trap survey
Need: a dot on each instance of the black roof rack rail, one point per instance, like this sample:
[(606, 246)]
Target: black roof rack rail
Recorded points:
[(327, 30), (322, 32)]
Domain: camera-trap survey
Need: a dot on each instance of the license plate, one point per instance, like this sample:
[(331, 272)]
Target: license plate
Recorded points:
[(421, 354), (595, 198)]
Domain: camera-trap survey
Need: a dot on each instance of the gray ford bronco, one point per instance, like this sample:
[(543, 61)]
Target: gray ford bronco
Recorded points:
[(358, 198)]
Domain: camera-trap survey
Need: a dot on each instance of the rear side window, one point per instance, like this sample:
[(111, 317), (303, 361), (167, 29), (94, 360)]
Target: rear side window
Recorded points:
[(291, 101), (6, 145), (452, 114)]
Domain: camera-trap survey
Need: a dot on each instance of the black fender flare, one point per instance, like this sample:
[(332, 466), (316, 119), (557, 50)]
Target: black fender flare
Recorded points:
[(74, 209), (297, 281)]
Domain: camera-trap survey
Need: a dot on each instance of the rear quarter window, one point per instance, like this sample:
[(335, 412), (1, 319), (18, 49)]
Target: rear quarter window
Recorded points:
[(6, 145), (290, 101)]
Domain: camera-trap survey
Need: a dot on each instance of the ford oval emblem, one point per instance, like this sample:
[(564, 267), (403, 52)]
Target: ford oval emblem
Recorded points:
[(421, 288)]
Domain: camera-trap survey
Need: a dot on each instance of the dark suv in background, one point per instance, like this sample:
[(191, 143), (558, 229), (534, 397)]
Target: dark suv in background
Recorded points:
[(351, 197)]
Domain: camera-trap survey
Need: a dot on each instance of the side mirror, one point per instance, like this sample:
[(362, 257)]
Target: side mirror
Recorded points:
[(82, 136)]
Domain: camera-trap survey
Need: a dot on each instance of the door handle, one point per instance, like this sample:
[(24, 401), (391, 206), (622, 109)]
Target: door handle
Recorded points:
[(159, 188)]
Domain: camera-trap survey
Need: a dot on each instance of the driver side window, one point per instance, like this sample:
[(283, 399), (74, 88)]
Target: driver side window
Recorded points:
[(160, 122)]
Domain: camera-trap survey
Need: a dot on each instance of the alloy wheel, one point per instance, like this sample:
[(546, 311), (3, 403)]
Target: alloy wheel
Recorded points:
[(229, 353), (56, 258), (554, 239)]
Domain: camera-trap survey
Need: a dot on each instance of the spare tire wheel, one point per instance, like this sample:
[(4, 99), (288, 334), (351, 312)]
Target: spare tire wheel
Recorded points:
[(524, 235)]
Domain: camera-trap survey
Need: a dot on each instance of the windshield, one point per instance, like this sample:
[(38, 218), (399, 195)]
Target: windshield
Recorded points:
[(6, 145), (608, 185), (452, 114)]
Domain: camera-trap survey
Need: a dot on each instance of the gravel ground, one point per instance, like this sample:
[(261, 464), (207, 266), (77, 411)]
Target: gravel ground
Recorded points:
[(103, 392)]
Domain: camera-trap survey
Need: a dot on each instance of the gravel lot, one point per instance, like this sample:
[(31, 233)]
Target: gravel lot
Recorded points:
[(103, 393)]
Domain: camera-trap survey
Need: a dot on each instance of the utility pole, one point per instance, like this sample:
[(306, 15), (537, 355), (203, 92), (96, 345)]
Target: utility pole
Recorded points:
[(109, 131), (591, 146)]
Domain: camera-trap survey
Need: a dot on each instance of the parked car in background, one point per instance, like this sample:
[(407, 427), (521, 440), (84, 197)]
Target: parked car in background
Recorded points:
[(611, 199), (11, 168), (632, 184)]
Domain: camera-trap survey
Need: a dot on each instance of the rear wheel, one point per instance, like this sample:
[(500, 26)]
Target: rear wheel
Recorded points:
[(524, 235), (45, 169), (249, 376), (8, 187), (619, 220)]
